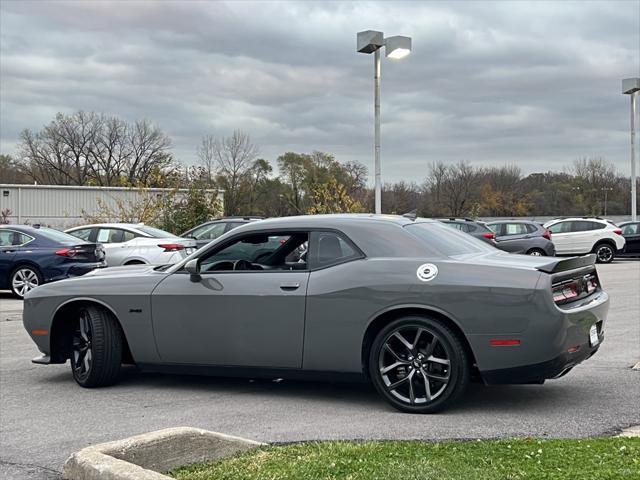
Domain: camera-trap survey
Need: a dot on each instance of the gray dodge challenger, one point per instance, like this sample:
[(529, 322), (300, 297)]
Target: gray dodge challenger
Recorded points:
[(415, 307)]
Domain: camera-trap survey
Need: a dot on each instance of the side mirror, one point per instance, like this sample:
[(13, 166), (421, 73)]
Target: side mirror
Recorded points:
[(194, 270)]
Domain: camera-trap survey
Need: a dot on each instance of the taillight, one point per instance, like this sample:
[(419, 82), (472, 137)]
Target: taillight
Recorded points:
[(171, 247), (67, 252), (547, 234), (569, 290), (489, 235), (618, 231)]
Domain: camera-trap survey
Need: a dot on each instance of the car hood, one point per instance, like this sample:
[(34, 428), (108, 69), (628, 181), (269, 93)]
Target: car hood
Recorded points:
[(123, 271)]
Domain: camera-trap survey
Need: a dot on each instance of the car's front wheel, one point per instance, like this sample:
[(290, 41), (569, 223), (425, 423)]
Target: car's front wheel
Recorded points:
[(418, 365), (96, 354), (24, 279), (604, 253)]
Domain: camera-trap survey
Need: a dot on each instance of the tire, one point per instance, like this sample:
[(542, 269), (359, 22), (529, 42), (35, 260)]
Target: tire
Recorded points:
[(536, 252), (604, 252), (446, 382), (23, 279), (96, 354)]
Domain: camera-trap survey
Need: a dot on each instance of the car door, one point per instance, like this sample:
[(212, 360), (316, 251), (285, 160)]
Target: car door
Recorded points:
[(7, 255), (563, 237), (118, 244), (513, 237), (631, 233), (232, 317)]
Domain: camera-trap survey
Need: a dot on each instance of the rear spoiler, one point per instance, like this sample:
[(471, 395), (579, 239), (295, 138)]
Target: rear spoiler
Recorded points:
[(562, 265)]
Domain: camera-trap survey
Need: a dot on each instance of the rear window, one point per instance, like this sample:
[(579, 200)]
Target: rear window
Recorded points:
[(446, 241), (154, 232), (56, 235)]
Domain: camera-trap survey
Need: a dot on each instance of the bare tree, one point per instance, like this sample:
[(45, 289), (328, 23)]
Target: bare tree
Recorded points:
[(207, 155), (234, 158), (150, 153), (458, 187)]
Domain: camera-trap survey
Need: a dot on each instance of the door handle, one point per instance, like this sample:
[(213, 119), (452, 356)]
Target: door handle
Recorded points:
[(289, 286)]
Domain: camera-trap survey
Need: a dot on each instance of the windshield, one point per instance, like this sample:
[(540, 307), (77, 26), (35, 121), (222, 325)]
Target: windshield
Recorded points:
[(154, 232), (56, 235), (445, 241)]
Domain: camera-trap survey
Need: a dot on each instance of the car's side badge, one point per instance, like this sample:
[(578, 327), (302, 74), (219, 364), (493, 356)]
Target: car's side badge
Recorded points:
[(427, 272)]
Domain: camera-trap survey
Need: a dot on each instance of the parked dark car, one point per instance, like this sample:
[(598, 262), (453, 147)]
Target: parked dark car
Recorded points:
[(31, 256), (631, 233), (208, 231), (523, 236), (472, 227)]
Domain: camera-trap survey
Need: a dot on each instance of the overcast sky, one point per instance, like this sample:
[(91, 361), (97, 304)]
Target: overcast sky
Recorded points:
[(532, 83)]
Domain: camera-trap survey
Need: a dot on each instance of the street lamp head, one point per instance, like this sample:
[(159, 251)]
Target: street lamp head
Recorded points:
[(369, 41), (397, 46), (630, 86)]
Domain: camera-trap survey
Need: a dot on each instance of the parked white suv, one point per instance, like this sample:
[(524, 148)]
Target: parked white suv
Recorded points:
[(130, 244), (582, 235)]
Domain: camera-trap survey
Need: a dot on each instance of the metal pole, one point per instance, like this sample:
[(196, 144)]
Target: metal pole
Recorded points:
[(633, 156), (376, 111)]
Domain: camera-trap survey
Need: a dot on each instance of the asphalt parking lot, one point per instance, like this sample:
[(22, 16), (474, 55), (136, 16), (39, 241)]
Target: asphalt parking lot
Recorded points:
[(45, 416)]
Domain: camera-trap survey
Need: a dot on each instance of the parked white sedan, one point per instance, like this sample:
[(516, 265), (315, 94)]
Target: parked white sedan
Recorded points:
[(131, 244)]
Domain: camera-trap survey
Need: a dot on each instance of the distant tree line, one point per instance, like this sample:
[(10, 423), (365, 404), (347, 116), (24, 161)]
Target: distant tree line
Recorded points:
[(96, 149)]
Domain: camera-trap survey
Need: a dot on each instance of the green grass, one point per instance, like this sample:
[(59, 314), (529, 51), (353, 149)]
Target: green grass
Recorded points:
[(590, 459)]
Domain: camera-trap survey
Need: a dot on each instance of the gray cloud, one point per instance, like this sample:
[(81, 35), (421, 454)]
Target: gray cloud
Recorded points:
[(537, 84)]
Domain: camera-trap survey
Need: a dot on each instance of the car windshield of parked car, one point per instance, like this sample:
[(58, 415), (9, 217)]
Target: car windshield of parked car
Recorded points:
[(442, 240), (631, 229), (154, 232), (57, 236), (208, 232)]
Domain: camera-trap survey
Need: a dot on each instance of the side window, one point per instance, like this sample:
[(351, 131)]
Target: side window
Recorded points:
[(581, 226), (7, 238), (515, 229), (127, 235), (329, 248), (454, 225), (257, 251), (496, 228), (531, 228), (560, 227), (82, 234), (631, 229), (11, 238), (109, 235), (596, 226)]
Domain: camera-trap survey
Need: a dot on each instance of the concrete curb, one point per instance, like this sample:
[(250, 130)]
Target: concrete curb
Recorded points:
[(630, 432), (142, 457)]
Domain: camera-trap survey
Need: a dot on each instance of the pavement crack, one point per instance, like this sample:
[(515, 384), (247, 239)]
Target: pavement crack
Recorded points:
[(30, 465)]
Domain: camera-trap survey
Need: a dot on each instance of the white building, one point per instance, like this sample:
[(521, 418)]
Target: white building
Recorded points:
[(62, 207)]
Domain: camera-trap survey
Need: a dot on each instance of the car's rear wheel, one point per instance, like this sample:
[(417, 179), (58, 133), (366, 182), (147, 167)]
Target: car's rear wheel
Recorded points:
[(24, 279), (536, 252), (604, 253), (418, 365), (96, 354)]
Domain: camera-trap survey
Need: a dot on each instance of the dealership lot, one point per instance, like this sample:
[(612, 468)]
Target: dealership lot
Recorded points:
[(45, 416)]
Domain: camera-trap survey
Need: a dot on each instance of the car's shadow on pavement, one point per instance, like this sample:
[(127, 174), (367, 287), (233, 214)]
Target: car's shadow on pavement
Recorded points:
[(478, 398)]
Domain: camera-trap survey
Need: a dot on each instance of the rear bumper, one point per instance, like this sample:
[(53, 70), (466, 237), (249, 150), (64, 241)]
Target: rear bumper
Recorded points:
[(75, 270), (540, 372)]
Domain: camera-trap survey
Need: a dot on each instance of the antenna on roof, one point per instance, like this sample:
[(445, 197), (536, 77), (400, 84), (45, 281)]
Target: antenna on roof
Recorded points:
[(412, 215)]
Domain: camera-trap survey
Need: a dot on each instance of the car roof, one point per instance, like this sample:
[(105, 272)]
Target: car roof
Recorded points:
[(25, 228), (513, 220), (135, 226), (331, 220)]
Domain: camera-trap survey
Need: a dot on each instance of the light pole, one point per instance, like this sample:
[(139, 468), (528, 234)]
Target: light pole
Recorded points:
[(631, 87), (605, 190), (371, 41)]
